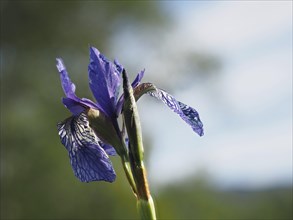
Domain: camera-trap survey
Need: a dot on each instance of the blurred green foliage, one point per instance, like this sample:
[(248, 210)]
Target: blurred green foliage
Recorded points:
[(36, 178), (197, 200)]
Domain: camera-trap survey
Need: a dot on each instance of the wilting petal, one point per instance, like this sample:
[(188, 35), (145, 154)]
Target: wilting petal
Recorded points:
[(88, 159), (187, 113), (104, 81)]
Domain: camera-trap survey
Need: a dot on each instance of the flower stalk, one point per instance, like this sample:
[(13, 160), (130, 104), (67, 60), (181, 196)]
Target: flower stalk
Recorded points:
[(128, 172), (92, 133), (145, 203)]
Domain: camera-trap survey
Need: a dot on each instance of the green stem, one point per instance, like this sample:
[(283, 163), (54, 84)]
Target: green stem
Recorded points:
[(127, 170), (146, 209), (145, 203)]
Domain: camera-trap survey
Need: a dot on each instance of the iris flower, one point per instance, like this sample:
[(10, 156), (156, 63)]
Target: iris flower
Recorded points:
[(92, 133)]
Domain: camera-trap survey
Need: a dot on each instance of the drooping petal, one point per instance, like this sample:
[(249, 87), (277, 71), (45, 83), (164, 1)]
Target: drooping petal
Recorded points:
[(75, 104), (104, 81), (187, 113), (88, 159)]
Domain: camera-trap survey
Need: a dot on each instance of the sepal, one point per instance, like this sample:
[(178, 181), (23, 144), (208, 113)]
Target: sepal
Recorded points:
[(187, 113), (88, 159)]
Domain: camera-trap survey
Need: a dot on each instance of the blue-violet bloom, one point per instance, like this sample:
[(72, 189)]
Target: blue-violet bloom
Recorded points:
[(90, 144)]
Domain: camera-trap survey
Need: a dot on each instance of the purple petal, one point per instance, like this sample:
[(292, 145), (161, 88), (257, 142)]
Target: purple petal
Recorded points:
[(104, 80), (187, 113), (72, 102), (137, 79), (88, 159), (109, 149), (67, 85), (119, 104), (75, 107), (118, 66)]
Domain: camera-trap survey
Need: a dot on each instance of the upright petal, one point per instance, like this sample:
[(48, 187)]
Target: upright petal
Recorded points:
[(137, 79), (72, 102), (67, 85), (104, 81), (88, 159)]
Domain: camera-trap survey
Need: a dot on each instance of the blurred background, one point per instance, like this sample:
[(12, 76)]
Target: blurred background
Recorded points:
[(231, 60)]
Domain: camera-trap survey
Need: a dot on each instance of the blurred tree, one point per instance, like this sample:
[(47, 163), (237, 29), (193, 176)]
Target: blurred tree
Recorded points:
[(197, 200)]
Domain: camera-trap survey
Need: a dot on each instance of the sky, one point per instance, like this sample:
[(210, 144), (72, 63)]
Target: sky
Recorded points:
[(246, 109)]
